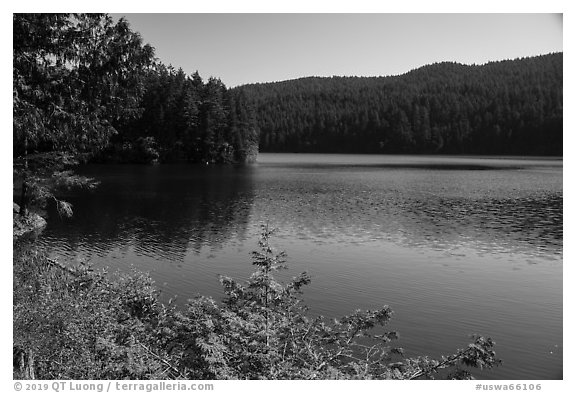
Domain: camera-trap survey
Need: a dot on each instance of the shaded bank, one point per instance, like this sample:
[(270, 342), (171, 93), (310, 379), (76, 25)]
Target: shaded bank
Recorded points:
[(28, 225)]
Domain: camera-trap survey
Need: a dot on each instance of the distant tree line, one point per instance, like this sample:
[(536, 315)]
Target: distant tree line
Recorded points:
[(186, 119), (506, 107)]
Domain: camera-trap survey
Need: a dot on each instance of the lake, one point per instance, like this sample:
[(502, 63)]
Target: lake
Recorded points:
[(454, 245)]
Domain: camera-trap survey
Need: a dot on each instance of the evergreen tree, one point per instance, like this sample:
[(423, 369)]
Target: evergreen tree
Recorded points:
[(75, 79), (190, 120)]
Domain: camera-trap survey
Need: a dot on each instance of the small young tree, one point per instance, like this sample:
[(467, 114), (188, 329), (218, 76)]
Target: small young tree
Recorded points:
[(262, 330)]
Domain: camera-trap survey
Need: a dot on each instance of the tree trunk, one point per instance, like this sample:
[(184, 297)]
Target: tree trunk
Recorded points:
[(25, 364), (29, 371), (24, 197)]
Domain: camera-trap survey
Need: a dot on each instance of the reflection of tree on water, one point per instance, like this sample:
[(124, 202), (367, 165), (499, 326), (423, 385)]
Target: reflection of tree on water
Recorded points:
[(160, 211), (167, 211)]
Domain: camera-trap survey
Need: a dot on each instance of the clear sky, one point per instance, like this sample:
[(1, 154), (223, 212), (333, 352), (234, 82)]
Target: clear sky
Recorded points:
[(247, 48)]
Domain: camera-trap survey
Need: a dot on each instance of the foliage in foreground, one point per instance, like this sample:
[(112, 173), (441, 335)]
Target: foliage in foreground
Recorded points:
[(79, 324)]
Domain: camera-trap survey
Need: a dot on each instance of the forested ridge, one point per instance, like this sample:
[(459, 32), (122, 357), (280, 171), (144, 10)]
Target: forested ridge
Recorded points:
[(505, 107)]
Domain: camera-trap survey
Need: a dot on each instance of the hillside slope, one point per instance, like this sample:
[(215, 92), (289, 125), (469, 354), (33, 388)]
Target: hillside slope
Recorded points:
[(505, 107)]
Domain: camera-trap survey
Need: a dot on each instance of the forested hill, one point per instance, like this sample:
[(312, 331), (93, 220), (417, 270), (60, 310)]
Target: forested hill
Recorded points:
[(506, 107)]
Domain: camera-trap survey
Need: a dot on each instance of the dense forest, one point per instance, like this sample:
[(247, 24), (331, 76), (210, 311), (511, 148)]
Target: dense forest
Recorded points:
[(87, 88), (85, 85), (185, 119), (505, 107)]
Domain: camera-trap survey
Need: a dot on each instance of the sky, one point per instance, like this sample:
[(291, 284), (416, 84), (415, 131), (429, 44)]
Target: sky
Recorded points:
[(250, 48)]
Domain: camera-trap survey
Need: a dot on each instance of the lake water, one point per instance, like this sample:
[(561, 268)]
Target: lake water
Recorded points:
[(454, 245)]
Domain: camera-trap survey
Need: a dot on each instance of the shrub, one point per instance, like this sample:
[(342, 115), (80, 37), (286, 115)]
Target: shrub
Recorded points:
[(261, 330), (79, 324)]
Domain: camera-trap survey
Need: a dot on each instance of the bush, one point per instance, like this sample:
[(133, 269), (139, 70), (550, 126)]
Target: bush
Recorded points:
[(79, 324)]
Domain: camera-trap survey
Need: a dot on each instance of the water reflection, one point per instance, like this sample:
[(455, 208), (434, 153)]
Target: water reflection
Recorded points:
[(164, 212), (160, 212)]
